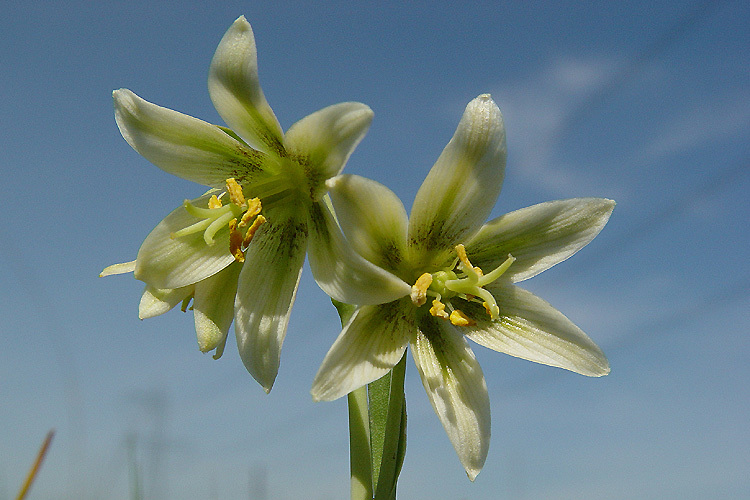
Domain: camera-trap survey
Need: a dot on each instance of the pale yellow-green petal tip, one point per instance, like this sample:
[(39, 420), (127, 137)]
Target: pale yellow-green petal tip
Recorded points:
[(125, 267), (472, 474)]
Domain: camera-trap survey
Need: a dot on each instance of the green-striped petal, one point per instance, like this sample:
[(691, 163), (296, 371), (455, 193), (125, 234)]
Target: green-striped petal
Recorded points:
[(530, 328), (461, 188), (182, 145), (340, 271), (266, 290), (372, 218), (455, 385), (236, 93), (323, 141), (173, 262), (213, 308), (370, 345), (539, 236)]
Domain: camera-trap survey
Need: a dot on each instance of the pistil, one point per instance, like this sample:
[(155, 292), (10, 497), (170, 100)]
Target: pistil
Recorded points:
[(464, 280)]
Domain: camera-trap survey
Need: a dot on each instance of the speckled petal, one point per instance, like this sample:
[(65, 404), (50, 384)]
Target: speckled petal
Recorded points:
[(539, 236), (530, 328), (455, 385), (369, 346), (372, 218), (266, 291), (236, 93), (340, 271), (182, 145), (460, 190), (324, 140)]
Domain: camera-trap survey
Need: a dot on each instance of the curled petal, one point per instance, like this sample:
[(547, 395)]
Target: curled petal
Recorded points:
[(324, 140), (461, 188), (182, 145), (372, 218), (165, 261), (235, 89), (369, 346), (340, 271), (530, 328), (213, 308), (156, 301), (539, 236), (455, 385), (266, 291)]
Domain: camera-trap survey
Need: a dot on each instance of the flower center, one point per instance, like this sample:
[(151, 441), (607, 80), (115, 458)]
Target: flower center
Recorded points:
[(462, 280), (218, 215)]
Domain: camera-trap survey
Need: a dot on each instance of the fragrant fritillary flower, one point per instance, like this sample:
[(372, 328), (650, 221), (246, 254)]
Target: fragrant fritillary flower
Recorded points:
[(237, 251), (461, 274)]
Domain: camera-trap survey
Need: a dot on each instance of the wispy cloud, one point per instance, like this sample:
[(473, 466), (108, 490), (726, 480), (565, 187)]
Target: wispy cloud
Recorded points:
[(537, 108)]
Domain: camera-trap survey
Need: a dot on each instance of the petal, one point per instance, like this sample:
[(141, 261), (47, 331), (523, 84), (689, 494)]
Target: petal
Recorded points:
[(340, 271), (235, 89), (369, 346), (460, 190), (455, 385), (266, 291), (167, 262), (156, 301), (123, 268), (539, 236), (372, 218), (530, 328), (213, 308), (324, 140), (182, 145)]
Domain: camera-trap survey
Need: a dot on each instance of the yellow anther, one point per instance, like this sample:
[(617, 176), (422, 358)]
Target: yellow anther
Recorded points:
[(253, 209), (235, 192), (461, 252), (438, 309), (458, 318), (235, 241), (419, 289), (252, 229), (214, 202)]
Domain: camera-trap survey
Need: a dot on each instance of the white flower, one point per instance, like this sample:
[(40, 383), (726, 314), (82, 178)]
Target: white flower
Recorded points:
[(237, 251), (461, 274)]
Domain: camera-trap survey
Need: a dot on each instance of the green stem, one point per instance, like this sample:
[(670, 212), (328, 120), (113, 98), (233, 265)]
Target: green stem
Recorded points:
[(389, 453), (359, 445), (377, 430)]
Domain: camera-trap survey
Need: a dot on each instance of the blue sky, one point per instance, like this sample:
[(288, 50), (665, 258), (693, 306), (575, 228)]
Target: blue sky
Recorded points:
[(647, 103)]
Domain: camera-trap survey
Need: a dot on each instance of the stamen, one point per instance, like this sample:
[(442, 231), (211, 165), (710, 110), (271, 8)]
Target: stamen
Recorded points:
[(214, 202), (438, 309), (419, 289), (253, 209), (259, 220), (461, 252), (235, 192), (235, 241), (458, 318)]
